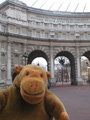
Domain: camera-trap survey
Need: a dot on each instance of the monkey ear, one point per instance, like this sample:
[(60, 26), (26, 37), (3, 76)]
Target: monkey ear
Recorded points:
[(48, 75), (18, 68)]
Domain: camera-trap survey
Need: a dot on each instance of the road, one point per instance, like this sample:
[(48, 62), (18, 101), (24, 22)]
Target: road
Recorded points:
[(76, 100)]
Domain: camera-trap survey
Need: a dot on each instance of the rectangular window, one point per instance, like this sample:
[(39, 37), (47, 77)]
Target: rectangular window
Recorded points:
[(46, 35), (30, 33), (16, 60), (3, 74), (81, 36), (38, 35), (37, 23), (63, 26), (80, 26), (55, 25), (18, 14), (11, 29), (72, 36), (86, 35), (63, 36), (46, 24), (17, 30), (3, 45), (88, 26), (77, 37), (3, 16), (71, 26), (89, 36), (3, 28), (3, 59), (16, 47), (56, 36)]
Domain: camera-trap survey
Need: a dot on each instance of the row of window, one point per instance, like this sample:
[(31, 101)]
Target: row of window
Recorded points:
[(15, 47), (35, 23), (42, 34), (59, 25), (62, 35), (16, 59)]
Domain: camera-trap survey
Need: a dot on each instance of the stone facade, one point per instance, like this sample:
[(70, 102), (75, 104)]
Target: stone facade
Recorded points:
[(41, 33)]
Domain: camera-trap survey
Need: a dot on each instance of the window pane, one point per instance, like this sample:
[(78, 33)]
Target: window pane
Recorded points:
[(29, 33), (38, 35), (3, 45), (17, 30), (16, 60), (3, 28), (16, 47), (46, 35), (3, 74), (3, 59)]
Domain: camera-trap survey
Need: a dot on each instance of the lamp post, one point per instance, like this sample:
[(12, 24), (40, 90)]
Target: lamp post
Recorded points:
[(25, 56)]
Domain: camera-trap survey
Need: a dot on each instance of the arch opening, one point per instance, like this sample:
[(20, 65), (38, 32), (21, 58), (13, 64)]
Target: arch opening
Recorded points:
[(85, 68), (69, 65), (62, 71)]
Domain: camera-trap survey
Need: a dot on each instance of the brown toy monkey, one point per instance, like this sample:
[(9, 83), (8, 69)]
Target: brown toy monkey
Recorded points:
[(28, 97)]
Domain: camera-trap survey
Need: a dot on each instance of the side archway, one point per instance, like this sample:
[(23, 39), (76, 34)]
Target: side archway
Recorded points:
[(72, 64), (85, 67), (37, 53)]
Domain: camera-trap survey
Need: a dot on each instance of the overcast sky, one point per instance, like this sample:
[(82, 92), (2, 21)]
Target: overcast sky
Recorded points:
[(60, 5)]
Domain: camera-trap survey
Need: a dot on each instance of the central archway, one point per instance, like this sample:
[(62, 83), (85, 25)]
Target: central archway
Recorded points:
[(72, 64)]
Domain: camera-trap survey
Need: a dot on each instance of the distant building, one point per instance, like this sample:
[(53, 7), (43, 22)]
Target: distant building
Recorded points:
[(84, 69)]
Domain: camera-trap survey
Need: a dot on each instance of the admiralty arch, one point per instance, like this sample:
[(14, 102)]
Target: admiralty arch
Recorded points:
[(41, 33)]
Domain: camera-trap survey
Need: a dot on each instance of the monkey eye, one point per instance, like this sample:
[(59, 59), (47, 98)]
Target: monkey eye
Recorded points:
[(41, 75), (27, 73)]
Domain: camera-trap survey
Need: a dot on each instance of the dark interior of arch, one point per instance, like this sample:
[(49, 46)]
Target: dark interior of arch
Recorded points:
[(72, 64), (87, 54), (35, 54)]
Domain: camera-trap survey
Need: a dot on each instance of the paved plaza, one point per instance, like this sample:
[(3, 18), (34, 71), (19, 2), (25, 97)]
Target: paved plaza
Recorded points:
[(76, 100)]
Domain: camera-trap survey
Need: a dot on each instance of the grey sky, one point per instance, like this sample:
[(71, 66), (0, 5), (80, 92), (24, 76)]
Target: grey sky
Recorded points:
[(61, 5)]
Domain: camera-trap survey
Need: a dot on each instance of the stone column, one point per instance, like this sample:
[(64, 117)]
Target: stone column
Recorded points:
[(8, 82), (78, 67), (53, 83)]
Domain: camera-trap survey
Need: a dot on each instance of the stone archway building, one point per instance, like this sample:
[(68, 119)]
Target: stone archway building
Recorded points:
[(45, 33)]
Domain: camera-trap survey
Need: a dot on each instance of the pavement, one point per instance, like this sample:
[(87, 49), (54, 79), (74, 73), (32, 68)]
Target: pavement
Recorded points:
[(76, 100)]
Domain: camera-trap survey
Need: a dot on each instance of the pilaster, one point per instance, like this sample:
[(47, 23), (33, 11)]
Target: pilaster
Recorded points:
[(78, 67), (8, 82), (24, 51), (53, 83)]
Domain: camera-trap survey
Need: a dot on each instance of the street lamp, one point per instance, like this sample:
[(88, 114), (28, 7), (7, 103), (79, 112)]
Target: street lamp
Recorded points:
[(25, 56)]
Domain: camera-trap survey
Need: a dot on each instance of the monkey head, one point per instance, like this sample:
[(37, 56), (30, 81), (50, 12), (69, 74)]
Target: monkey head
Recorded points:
[(32, 82)]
